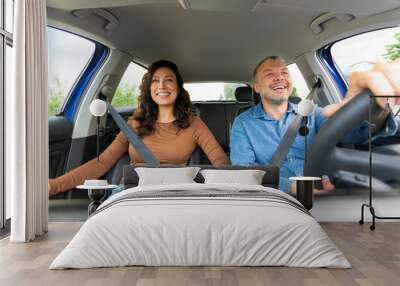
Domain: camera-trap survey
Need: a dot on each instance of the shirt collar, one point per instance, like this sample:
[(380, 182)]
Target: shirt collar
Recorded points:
[(258, 111)]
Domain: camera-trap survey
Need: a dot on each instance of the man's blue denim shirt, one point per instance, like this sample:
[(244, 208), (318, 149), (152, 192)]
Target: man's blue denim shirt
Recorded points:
[(256, 136)]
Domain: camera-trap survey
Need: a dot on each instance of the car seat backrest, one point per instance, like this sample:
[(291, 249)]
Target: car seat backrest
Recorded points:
[(213, 115), (244, 94), (218, 116), (247, 97)]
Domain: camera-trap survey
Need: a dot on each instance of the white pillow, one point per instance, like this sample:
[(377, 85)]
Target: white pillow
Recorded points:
[(249, 177), (162, 176)]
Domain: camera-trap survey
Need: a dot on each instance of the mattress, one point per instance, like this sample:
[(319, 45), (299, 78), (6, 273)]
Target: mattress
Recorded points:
[(201, 225)]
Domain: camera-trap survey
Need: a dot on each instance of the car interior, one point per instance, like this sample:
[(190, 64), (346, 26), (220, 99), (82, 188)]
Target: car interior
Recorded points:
[(219, 42)]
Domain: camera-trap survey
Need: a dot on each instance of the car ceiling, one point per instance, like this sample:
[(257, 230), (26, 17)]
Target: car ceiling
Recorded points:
[(220, 40)]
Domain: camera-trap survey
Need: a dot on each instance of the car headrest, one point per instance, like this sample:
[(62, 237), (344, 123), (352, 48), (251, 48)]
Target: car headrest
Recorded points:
[(294, 99), (244, 94), (270, 179)]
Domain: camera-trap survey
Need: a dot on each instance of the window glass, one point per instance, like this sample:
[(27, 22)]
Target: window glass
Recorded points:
[(358, 52), (212, 91), (223, 91), (300, 87), (8, 70), (128, 89), (9, 9), (68, 56)]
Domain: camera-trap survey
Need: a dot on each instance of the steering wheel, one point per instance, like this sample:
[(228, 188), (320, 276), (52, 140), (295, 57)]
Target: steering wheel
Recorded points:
[(323, 151)]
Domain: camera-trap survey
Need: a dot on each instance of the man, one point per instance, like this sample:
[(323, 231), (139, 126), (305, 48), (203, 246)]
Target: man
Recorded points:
[(257, 133)]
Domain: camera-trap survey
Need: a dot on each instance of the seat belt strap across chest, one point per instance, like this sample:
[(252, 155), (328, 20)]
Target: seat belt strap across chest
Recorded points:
[(287, 141), (133, 138), (291, 133)]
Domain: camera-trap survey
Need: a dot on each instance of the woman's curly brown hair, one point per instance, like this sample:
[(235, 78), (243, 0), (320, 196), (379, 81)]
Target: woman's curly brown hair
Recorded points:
[(147, 111)]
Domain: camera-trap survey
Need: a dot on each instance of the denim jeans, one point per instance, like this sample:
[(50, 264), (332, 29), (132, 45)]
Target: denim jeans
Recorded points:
[(118, 189)]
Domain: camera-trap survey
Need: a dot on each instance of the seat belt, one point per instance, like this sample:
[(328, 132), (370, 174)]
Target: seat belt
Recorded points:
[(132, 137), (291, 133)]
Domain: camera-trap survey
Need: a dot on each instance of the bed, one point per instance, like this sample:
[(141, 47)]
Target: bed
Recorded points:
[(201, 224)]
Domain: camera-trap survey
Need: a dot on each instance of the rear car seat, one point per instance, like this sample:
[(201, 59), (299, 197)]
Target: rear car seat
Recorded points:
[(219, 116)]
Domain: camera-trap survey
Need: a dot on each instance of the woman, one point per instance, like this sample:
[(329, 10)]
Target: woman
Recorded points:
[(165, 123)]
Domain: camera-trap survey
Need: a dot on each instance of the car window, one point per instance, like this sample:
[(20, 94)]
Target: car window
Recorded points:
[(128, 89), (358, 53), (212, 91), (68, 56), (225, 91), (300, 87)]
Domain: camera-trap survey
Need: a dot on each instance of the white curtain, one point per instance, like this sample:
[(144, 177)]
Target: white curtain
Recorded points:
[(27, 124)]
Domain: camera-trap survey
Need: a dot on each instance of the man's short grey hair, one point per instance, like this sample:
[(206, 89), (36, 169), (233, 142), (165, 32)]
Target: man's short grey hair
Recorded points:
[(263, 61)]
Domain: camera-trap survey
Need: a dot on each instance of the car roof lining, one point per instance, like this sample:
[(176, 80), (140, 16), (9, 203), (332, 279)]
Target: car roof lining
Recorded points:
[(232, 40)]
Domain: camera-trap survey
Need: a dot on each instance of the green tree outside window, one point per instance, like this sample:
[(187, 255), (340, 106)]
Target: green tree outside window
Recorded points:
[(57, 92), (126, 95), (393, 50)]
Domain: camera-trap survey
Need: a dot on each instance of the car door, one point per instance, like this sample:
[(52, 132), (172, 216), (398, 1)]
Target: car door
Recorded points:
[(72, 62)]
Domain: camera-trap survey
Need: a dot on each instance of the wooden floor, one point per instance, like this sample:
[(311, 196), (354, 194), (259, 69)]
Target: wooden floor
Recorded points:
[(374, 255)]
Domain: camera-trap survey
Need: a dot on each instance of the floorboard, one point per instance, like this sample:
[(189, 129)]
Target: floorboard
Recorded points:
[(374, 255)]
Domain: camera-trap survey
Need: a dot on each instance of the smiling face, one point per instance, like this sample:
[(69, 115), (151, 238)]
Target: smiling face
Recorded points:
[(164, 87), (273, 81)]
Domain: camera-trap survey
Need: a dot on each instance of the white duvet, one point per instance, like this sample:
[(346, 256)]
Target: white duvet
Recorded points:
[(207, 230)]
